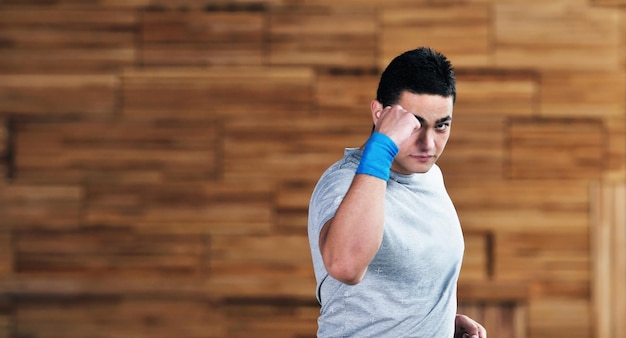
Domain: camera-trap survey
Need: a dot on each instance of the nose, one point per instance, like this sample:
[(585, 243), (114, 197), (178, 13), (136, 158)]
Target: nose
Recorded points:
[(426, 139)]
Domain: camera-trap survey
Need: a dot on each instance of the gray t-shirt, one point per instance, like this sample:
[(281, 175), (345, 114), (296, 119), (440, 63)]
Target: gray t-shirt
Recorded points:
[(409, 289)]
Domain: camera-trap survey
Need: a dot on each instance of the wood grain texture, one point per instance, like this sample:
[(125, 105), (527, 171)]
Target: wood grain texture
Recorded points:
[(275, 256), (551, 256), (557, 148), (89, 96), (283, 149), (40, 206), (6, 253), (5, 144), (78, 151), (556, 36), (339, 37), (76, 41), (174, 38), (505, 320), (608, 239), (476, 265), (108, 251), (202, 93), (346, 94), (533, 205), (188, 208), (117, 317), (582, 94), (157, 158), (559, 317), (497, 93), (461, 32), (476, 139)]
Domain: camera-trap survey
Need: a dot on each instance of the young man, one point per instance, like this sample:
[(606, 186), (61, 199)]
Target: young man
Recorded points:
[(385, 238)]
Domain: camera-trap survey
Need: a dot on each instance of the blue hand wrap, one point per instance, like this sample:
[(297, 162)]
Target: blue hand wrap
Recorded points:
[(377, 156)]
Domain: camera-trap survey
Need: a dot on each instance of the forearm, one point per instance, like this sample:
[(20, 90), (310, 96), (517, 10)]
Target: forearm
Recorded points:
[(351, 239)]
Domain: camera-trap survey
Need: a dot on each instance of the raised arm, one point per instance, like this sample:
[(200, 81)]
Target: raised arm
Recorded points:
[(350, 240)]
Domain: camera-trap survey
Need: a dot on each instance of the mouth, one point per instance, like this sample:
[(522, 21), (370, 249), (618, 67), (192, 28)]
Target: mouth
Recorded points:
[(423, 158)]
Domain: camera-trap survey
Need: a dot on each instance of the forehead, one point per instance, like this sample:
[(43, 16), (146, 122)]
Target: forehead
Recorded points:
[(429, 107)]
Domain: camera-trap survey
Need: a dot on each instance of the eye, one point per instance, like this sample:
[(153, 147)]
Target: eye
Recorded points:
[(442, 126)]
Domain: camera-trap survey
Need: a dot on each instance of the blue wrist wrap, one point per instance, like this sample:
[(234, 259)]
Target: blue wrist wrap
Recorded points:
[(377, 156)]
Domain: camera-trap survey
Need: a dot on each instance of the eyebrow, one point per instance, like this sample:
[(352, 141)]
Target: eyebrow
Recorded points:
[(441, 120)]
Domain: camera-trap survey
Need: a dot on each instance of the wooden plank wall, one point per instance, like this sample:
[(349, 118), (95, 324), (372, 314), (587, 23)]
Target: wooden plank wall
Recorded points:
[(157, 158)]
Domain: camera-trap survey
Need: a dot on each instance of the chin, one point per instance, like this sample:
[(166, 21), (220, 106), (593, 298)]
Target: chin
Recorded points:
[(422, 171), (412, 167), (423, 168)]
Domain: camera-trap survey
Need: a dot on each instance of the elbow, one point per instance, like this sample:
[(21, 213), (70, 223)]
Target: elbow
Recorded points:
[(345, 272)]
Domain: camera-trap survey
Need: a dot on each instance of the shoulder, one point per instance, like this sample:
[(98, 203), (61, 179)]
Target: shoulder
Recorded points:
[(435, 171)]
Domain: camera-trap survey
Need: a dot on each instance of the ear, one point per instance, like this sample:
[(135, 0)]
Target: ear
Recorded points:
[(376, 108)]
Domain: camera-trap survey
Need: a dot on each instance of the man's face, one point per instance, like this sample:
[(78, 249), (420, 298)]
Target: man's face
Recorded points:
[(426, 144)]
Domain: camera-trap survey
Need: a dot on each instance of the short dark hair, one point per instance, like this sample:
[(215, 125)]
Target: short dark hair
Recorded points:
[(419, 71)]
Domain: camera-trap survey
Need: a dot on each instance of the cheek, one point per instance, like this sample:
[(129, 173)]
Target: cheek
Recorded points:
[(442, 141)]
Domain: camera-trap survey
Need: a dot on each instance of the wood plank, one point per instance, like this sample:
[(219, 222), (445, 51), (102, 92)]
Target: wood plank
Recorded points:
[(556, 36), (294, 195), (76, 151), (5, 327), (66, 40), (283, 149), (461, 32), (277, 321), (346, 94), (290, 222), (103, 286), (492, 291), (476, 139), (202, 38), (214, 288), (603, 213), (511, 219), (567, 2), (251, 5), (6, 255), (114, 317), (6, 319), (51, 207), (263, 286), (330, 37), (534, 205), (4, 147), (191, 93), (369, 4), (59, 95), (565, 195), (500, 93), (108, 251), (548, 318), (617, 3), (546, 288), (618, 253), (476, 260), (542, 256), (292, 205), (557, 148), (501, 320), (616, 147), (590, 94), (608, 239), (208, 208), (260, 256)]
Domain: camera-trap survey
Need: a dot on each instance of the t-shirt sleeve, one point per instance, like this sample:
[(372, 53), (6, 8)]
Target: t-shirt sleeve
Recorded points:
[(327, 196)]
